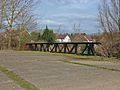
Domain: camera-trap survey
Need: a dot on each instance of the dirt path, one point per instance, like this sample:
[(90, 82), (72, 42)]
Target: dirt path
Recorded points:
[(47, 72)]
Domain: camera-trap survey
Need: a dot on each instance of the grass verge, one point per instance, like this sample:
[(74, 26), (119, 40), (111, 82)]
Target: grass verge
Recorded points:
[(79, 57), (89, 65), (17, 79)]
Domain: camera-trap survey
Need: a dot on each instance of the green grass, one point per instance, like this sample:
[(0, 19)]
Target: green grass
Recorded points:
[(89, 65), (49, 53), (17, 79), (79, 57)]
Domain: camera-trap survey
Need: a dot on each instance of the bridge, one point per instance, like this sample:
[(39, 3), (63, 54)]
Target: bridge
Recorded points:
[(65, 47)]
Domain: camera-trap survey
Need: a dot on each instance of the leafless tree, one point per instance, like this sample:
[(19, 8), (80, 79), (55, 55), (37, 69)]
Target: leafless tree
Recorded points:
[(1, 14), (16, 13), (109, 17)]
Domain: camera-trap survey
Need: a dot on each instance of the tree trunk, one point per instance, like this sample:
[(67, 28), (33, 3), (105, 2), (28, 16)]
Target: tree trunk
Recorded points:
[(9, 39)]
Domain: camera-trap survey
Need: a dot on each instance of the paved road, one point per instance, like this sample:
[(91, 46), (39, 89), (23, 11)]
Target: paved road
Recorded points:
[(47, 73)]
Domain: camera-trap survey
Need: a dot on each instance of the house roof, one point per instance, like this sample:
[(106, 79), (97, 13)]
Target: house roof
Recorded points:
[(81, 37), (76, 37), (61, 36)]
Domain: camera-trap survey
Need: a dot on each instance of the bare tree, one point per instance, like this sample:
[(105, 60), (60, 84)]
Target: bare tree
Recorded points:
[(1, 14), (16, 13), (109, 15), (26, 21)]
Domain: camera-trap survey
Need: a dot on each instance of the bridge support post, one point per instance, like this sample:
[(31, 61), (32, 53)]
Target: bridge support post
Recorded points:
[(65, 48), (30, 47), (90, 49), (41, 46), (76, 48)]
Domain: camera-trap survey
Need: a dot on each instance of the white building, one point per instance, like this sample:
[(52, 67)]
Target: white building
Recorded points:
[(63, 38)]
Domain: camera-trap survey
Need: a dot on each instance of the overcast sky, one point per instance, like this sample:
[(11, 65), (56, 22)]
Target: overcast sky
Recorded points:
[(66, 13)]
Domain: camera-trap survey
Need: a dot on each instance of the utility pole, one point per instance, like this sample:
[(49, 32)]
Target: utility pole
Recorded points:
[(59, 28), (76, 28)]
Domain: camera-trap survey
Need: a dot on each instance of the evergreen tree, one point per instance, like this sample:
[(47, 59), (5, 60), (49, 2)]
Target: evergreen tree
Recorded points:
[(49, 35)]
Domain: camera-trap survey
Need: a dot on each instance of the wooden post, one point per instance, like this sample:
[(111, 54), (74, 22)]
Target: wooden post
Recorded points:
[(65, 47), (48, 46), (91, 49), (36, 47), (56, 45), (30, 47), (44, 47), (76, 48), (41, 45)]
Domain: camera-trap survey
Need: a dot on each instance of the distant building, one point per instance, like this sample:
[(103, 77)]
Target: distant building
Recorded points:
[(63, 38), (76, 37), (82, 37)]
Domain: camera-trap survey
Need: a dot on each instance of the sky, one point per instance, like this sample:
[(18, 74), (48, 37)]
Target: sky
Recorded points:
[(62, 15)]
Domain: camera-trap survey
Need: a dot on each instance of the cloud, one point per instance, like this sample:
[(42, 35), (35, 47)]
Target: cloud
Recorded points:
[(72, 15), (68, 12), (72, 1), (46, 21), (66, 2), (68, 18)]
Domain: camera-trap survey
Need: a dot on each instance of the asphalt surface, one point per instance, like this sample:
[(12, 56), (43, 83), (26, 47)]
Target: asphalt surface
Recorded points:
[(47, 72)]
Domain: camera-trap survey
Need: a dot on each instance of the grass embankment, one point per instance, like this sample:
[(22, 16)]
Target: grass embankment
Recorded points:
[(74, 56), (17, 79), (89, 65)]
